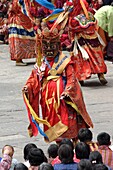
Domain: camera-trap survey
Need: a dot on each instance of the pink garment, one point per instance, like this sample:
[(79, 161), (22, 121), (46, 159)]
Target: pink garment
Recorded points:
[(5, 164), (57, 160)]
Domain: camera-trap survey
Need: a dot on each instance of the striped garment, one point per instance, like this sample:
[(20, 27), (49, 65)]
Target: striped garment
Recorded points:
[(107, 155)]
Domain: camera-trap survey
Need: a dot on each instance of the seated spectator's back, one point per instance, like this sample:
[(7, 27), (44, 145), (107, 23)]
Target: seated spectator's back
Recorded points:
[(84, 164), (82, 150), (104, 142), (85, 135), (66, 154)]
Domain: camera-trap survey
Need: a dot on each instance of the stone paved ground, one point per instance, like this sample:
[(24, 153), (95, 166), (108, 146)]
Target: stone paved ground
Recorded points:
[(13, 115)]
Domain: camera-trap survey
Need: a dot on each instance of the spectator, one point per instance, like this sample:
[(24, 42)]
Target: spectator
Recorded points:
[(104, 142), (68, 142), (5, 163), (66, 154), (86, 136), (45, 166), (104, 16), (82, 150), (11, 150), (96, 158), (20, 166), (100, 167), (36, 157), (52, 152), (26, 152), (84, 164)]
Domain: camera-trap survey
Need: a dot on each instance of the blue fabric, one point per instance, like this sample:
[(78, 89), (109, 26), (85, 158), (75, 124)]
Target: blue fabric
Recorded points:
[(19, 31), (71, 166), (39, 129), (46, 4), (21, 2)]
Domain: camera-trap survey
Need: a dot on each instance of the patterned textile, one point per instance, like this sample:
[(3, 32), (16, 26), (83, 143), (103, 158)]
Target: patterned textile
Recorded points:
[(21, 33), (107, 155)]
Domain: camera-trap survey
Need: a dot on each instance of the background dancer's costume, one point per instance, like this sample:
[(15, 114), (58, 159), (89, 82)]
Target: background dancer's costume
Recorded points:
[(54, 86), (88, 51), (21, 33)]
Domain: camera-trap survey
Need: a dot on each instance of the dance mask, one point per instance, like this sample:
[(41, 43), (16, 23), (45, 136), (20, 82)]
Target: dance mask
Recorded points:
[(48, 43)]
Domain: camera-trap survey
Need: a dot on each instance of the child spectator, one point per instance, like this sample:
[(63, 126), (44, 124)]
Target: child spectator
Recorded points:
[(68, 142), (36, 157), (20, 166), (26, 153), (5, 164), (45, 166), (96, 158), (66, 154), (100, 167), (85, 135), (11, 150), (82, 150), (84, 164), (52, 152), (104, 142)]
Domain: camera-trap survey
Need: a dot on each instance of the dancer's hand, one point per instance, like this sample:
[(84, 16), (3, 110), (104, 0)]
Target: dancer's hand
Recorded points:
[(25, 89)]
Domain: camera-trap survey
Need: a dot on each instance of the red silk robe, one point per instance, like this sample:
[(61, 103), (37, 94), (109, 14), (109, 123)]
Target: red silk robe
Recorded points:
[(65, 115)]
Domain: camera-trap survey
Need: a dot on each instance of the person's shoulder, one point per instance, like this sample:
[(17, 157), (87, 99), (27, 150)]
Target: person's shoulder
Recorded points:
[(72, 166)]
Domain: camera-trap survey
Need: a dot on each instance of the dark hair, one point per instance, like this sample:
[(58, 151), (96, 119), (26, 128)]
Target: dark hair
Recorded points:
[(100, 167), (89, 1), (107, 2), (95, 157), (66, 141), (53, 150), (82, 150), (85, 135), (36, 157), (103, 138), (20, 166), (84, 164), (45, 166), (66, 153), (27, 149)]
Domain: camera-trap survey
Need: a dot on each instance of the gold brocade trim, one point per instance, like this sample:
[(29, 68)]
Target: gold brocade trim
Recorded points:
[(63, 65), (88, 36), (55, 131), (45, 81)]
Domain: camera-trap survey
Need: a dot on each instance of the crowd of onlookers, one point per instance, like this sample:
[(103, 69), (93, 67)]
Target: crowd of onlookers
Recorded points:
[(4, 7), (84, 155)]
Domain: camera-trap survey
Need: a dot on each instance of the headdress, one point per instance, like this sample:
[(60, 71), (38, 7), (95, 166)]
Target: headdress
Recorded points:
[(51, 35)]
